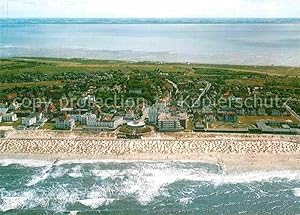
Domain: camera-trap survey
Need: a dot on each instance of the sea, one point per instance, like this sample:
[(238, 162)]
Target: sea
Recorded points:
[(143, 187), (217, 41)]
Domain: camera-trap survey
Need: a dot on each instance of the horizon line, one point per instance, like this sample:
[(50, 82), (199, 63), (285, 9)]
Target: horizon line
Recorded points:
[(149, 17)]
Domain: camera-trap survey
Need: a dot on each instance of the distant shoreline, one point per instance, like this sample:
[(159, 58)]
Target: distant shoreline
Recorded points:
[(185, 20)]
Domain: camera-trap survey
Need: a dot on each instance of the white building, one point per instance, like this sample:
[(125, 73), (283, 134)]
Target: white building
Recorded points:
[(105, 123), (166, 122), (153, 114), (83, 118), (9, 117), (32, 119), (66, 123)]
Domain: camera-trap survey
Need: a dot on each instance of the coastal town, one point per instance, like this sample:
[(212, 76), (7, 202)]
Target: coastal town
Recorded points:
[(134, 102)]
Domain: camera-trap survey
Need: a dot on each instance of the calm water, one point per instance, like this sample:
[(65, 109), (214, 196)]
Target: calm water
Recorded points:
[(31, 187), (35, 187), (225, 42)]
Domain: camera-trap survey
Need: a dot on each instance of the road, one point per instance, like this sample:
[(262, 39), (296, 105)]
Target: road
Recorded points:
[(207, 88)]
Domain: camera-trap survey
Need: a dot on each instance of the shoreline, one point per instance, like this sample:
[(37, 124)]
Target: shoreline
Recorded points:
[(234, 152), (228, 162)]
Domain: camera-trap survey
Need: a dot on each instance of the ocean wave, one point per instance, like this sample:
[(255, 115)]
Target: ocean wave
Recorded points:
[(142, 181), (148, 180), (106, 161), (297, 192), (24, 162), (58, 172), (14, 201), (76, 172), (41, 176), (105, 174), (186, 200), (10, 203), (95, 203)]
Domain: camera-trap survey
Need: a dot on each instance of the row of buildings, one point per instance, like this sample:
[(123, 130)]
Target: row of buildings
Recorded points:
[(157, 115), (90, 121), (231, 114), (274, 127)]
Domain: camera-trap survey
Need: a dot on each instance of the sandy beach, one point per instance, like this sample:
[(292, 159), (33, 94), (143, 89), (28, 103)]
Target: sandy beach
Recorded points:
[(232, 151)]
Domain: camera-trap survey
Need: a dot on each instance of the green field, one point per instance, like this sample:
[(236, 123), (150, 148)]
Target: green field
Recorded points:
[(54, 65)]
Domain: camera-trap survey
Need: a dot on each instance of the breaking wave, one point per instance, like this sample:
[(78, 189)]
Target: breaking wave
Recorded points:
[(24, 162), (59, 187), (297, 192)]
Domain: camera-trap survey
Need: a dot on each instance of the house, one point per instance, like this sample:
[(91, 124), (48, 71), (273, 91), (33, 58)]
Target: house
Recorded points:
[(208, 114), (9, 117), (66, 123), (240, 112), (166, 122), (230, 117), (221, 115), (210, 117), (32, 119), (275, 112)]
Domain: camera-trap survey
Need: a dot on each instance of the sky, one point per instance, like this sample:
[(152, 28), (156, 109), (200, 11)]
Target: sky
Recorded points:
[(148, 8)]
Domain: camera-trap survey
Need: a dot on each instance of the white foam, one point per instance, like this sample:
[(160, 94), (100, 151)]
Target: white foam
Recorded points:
[(58, 172), (94, 161), (105, 174), (249, 177), (148, 181), (144, 181), (76, 172), (297, 192), (185, 201), (10, 203), (13, 200), (40, 176), (24, 162), (95, 203)]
